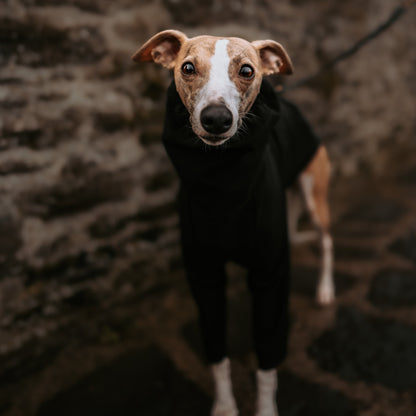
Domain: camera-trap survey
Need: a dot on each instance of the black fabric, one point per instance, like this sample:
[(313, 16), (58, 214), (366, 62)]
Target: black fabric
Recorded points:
[(232, 207)]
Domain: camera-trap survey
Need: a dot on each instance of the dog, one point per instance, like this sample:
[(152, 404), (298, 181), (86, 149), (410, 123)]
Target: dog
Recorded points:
[(237, 146)]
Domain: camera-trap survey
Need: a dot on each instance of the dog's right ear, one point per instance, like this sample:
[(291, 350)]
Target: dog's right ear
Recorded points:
[(162, 48)]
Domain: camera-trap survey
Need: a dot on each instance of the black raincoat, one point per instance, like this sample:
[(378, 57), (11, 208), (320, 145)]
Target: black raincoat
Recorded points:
[(232, 206)]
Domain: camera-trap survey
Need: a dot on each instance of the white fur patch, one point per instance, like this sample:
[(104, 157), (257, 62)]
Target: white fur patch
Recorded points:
[(219, 88), (224, 402), (326, 287)]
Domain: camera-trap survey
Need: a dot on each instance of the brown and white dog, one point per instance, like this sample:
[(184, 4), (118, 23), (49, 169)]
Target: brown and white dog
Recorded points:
[(218, 80)]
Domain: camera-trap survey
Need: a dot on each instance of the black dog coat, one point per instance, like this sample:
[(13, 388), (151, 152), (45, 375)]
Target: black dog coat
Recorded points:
[(232, 206)]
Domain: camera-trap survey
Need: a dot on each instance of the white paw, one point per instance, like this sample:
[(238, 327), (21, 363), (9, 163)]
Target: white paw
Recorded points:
[(325, 294), (268, 412), (224, 402), (224, 409), (266, 393)]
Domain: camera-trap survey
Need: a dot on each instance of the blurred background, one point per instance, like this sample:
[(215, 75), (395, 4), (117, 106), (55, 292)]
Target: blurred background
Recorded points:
[(95, 316)]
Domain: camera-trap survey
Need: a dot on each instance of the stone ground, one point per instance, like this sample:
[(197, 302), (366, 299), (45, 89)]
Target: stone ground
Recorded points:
[(143, 356)]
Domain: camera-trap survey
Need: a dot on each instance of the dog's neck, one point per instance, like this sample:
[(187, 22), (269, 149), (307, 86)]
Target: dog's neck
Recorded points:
[(226, 173)]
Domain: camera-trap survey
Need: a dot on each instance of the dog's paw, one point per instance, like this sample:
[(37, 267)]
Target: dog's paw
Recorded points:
[(224, 409), (270, 411), (266, 393), (325, 294)]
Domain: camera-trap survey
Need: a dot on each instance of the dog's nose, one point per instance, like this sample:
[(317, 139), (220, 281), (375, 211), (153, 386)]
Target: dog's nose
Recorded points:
[(216, 119)]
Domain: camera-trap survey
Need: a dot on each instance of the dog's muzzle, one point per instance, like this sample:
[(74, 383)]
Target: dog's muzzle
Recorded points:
[(216, 120)]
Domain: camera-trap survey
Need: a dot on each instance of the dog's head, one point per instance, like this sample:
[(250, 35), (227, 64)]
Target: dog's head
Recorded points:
[(217, 79)]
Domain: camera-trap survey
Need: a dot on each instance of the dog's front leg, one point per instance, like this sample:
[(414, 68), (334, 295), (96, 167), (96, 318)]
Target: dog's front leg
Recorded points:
[(207, 281), (224, 402), (266, 393)]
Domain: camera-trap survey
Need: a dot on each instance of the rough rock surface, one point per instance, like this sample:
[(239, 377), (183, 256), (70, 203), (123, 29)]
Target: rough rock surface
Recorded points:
[(87, 207)]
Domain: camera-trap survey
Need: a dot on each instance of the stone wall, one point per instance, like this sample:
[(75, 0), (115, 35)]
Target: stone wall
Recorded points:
[(87, 207)]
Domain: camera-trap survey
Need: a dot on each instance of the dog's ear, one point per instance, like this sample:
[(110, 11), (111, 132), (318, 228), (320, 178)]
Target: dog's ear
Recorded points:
[(162, 48), (274, 58)]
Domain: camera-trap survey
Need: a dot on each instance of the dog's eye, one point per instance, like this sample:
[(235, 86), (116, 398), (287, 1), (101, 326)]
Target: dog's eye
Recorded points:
[(188, 68), (246, 71)]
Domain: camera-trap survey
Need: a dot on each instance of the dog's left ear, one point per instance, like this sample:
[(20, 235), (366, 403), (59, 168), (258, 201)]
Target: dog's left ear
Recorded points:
[(162, 48), (273, 56)]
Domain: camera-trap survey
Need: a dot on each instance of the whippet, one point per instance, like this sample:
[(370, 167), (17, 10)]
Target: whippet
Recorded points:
[(237, 146)]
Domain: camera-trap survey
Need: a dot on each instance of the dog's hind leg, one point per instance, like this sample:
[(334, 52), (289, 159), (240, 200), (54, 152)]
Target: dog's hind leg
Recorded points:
[(314, 182), (295, 209)]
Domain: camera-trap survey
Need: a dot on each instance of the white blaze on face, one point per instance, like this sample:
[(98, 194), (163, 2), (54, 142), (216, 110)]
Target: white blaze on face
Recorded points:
[(219, 88)]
